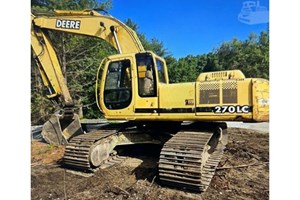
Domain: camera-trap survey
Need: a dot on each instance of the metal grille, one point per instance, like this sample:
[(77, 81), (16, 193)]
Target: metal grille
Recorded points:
[(209, 93), (229, 89)]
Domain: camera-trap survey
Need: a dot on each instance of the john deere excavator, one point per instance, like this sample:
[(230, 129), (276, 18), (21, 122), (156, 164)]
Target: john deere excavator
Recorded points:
[(185, 118)]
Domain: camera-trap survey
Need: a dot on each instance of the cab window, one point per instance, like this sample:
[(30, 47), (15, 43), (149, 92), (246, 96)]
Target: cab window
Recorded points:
[(160, 70), (146, 75), (117, 91)]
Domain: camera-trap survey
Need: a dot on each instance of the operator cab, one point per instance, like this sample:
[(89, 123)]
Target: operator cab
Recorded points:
[(132, 77)]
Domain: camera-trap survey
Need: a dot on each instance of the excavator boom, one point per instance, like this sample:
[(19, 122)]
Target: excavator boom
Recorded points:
[(61, 127), (92, 23)]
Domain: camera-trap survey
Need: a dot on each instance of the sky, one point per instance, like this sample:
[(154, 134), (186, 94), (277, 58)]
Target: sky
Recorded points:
[(188, 27)]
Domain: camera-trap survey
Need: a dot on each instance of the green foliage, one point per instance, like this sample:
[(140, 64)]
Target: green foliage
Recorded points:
[(182, 70), (41, 107), (250, 56), (50, 5), (79, 57)]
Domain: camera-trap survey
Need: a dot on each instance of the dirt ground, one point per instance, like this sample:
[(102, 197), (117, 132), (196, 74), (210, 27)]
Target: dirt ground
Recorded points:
[(243, 173)]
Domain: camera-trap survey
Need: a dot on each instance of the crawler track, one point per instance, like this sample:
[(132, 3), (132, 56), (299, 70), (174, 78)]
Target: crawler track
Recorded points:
[(78, 151), (189, 159)]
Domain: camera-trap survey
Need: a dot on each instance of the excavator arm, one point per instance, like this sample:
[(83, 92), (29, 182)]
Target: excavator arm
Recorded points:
[(61, 127), (49, 66)]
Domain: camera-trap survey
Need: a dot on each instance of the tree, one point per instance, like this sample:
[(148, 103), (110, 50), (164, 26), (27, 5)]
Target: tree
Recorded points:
[(250, 56), (79, 57), (50, 5), (153, 44), (183, 70)]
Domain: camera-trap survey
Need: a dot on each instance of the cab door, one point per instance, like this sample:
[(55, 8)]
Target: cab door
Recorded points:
[(146, 100), (116, 100)]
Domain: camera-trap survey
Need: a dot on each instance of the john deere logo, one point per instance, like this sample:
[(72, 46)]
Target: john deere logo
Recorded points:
[(68, 24)]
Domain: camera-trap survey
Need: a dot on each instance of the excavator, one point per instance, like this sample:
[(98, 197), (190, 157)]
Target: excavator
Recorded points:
[(186, 119)]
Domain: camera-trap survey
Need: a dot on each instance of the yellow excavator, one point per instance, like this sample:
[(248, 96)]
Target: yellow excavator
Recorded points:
[(186, 119)]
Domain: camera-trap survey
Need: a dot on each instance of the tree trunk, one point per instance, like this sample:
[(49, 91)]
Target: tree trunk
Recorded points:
[(64, 59)]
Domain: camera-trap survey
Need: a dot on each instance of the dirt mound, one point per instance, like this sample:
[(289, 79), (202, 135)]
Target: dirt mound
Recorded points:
[(243, 173)]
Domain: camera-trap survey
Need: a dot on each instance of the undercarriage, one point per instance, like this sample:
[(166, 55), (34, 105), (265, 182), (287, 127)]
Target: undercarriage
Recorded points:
[(190, 152)]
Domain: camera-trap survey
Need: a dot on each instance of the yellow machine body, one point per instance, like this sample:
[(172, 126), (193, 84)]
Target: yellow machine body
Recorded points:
[(214, 96)]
